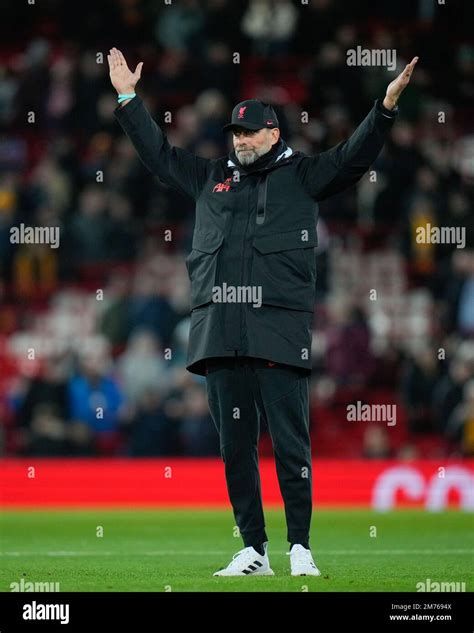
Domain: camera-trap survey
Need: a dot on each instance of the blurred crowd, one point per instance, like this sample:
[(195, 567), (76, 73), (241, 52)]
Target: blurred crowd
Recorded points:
[(93, 334)]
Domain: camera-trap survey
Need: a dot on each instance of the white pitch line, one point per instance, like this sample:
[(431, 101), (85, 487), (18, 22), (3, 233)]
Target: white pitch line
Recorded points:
[(340, 552)]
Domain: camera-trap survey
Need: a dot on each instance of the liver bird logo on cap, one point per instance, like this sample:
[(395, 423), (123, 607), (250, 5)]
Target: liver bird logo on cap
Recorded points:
[(242, 112)]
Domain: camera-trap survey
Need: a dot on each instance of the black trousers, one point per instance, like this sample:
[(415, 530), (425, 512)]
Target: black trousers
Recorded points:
[(240, 391)]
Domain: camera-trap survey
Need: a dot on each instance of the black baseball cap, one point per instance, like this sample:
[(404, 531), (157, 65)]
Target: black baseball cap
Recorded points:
[(252, 115)]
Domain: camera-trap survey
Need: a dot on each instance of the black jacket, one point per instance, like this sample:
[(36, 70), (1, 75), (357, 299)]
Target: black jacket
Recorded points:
[(255, 233)]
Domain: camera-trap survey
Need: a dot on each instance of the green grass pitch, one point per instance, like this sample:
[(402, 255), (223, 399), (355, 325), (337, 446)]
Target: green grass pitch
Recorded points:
[(178, 550)]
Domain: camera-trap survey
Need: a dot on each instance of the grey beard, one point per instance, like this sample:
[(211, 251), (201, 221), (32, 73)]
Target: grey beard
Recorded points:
[(247, 158)]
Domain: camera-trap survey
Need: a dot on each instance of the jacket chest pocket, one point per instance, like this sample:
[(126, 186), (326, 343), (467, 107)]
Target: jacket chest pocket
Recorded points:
[(284, 266), (202, 265)]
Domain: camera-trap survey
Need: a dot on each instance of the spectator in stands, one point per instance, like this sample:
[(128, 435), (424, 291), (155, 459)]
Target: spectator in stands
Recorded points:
[(88, 228), (8, 89), (221, 19), (459, 293), (95, 401), (34, 83), (50, 388), (46, 435), (115, 319), (181, 27), (8, 318), (149, 306), (349, 359), (88, 88), (180, 343), (421, 253), (460, 426), (142, 367), (217, 70), (270, 26), (44, 411), (151, 432), (330, 77), (35, 271), (402, 159), (121, 230), (197, 431), (61, 94), (50, 186), (376, 443), (458, 213), (448, 392), (419, 382)]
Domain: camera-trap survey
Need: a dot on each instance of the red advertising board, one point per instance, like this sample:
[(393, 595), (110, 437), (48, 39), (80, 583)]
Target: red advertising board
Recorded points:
[(201, 482)]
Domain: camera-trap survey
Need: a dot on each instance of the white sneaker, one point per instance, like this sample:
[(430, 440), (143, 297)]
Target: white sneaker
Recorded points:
[(248, 562), (302, 563)]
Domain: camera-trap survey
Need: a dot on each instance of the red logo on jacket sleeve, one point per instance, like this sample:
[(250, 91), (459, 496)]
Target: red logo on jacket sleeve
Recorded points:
[(242, 112)]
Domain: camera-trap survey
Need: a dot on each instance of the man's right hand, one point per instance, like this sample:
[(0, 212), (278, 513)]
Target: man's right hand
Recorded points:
[(122, 78)]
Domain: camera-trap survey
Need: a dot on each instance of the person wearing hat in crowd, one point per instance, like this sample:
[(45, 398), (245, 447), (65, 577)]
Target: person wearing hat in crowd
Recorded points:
[(253, 273)]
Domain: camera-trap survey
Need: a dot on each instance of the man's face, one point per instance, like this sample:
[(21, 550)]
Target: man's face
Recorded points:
[(251, 144)]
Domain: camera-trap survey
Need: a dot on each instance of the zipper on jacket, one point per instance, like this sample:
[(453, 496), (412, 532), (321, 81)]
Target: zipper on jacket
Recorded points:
[(262, 198), (242, 324)]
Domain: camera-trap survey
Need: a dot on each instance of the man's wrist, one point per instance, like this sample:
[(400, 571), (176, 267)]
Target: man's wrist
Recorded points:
[(122, 96), (127, 91), (389, 103)]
